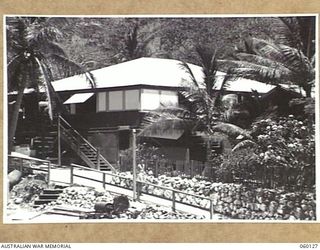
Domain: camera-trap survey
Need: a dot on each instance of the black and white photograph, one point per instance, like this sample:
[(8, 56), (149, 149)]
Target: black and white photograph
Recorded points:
[(187, 118)]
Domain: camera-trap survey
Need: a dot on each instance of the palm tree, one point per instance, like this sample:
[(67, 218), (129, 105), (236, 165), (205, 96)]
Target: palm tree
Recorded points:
[(33, 57), (203, 110), (281, 62), (135, 44)]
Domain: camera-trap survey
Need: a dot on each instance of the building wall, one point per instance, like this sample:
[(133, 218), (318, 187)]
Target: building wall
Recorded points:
[(108, 144), (135, 99)]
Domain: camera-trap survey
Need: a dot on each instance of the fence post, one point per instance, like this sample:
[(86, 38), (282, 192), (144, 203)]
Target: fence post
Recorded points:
[(49, 169), (139, 187), (71, 174), (173, 200), (98, 158), (104, 180), (134, 164), (191, 169), (59, 141), (156, 170), (211, 209)]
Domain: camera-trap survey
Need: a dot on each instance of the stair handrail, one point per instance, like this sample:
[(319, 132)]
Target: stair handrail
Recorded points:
[(77, 133), (86, 141), (107, 162)]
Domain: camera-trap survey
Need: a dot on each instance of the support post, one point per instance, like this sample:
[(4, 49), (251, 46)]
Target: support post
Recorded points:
[(134, 164), (191, 169), (98, 158), (104, 180), (71, 175), (187, 162), (59, 141), (211, 209), (156, 172), (49, 170), (173, 200)]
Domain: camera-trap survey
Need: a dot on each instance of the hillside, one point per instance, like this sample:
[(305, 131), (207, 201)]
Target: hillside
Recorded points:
[(99, 42)]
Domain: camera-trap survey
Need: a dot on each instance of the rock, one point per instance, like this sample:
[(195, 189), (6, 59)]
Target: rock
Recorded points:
[(18, 200), (14, 177)]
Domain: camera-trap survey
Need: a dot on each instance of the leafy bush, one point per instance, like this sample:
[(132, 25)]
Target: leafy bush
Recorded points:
[(286, 149), (282, 154), (147, 156)]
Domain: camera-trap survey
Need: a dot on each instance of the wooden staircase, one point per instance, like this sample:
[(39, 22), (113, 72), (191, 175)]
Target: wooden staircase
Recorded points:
[(82, 147), (47, 196), (44, 145)]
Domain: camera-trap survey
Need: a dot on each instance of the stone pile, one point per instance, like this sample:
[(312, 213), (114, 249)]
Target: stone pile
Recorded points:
[(237, 202), (27, 190), (234, 201), (83, 197), (160, 213)]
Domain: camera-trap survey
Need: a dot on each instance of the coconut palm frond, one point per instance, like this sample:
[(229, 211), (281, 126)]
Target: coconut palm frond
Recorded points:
[(295, 59), (91, 79), (47, 86), (288, 31), (290, 57), (273, 63), (188, 70), (169, 112), (14, 68), (40, 34), (230, 129), (165, 125), (243, 144), (61, 21), (131, 42), (53, 48), (144, 42), (264, 74), (69, 68), (223, 88), (260, 60), (209, 67), (313, 61)]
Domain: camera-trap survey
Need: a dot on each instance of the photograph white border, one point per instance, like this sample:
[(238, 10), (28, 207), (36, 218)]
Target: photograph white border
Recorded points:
[(238, 221)]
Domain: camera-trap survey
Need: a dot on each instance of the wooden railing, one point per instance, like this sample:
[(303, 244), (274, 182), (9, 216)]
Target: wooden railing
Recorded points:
[(25, 164), (77, 140), (140, 184)]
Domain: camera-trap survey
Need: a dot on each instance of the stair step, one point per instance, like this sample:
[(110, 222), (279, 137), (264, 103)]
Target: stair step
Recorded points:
[(48, 196), (43, 201), (88, 154), (52, 191)]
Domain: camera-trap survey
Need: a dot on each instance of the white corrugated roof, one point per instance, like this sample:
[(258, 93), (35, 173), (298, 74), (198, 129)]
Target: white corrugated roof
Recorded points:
[(152, 72)]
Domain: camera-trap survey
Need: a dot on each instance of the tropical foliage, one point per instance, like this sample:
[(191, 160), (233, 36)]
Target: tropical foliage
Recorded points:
[(135, 46), (281, 153), (34, 57), (278, 61), (202, 109)]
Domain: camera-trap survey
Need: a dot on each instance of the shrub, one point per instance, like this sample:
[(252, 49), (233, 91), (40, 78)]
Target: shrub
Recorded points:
[(283, 155)]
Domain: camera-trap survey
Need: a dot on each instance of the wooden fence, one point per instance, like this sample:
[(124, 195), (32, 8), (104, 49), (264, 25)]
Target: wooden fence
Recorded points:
[(273, 177), (142, 187), (171, 168), (28, 165)]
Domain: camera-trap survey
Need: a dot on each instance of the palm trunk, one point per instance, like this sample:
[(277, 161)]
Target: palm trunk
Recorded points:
[(308, 93), (12, 126), (307, 89)]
